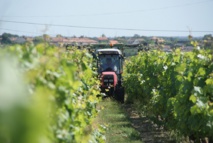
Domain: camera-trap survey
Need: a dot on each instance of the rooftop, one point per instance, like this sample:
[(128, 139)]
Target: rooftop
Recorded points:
[(109, 51)]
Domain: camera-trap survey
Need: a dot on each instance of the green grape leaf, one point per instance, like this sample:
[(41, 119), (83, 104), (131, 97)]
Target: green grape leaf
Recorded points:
[(201, 72), (209, 81), (193, 98), (195, 110)]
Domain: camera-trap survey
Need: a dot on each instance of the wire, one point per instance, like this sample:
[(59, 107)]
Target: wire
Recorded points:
[(19, 31), (24, 31), (106, 28), (146, 10), (116, 13)]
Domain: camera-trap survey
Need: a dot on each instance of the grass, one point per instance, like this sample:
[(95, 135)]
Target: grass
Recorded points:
[(119, 128)]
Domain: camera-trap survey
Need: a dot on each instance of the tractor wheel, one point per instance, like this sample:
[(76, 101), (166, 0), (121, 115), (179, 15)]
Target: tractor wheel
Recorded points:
[(119, 94)]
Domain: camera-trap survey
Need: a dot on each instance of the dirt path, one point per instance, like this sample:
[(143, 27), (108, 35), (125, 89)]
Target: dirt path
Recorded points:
[(149, 132)]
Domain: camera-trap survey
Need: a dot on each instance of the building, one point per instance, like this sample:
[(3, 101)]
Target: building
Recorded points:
[(74, 41)]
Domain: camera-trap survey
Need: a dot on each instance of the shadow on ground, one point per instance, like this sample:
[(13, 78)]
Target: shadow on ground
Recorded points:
[(149, 132)]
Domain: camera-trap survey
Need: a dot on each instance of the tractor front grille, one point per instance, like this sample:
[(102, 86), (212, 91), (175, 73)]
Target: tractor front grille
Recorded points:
[(108, 80)]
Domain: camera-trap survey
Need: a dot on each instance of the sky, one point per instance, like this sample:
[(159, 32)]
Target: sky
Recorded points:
[(113, 18)]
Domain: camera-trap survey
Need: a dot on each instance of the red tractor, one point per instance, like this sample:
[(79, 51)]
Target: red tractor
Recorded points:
[(110, 66), (110, 69)]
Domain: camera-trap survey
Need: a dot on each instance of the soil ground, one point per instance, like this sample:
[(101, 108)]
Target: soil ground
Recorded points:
[(149, 132), (125, 125)]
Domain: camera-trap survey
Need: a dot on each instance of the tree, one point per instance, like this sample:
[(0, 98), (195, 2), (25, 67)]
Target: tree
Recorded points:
[(38, 39), (208, 41), (59, 35), (136, 36), (6, 38), (46, 37), (103, 35), (208, 37)]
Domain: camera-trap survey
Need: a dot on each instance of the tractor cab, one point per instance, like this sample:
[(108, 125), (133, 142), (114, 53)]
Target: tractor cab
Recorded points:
[(110, 68), (110, 60)]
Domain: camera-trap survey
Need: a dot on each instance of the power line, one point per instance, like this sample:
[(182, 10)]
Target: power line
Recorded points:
[(19, 31), (103, 28), (116, 13), (24, 31), (152, 9)]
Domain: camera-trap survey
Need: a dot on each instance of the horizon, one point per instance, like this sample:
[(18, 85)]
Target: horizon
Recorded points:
[(83, 36)]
